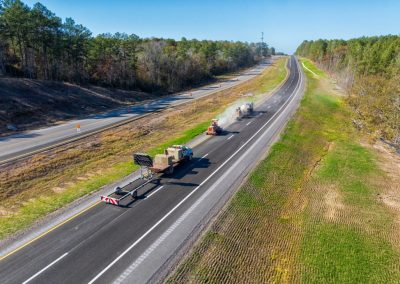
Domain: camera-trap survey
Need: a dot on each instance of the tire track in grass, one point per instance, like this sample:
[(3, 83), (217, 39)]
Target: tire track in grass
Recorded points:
[(307, 214)]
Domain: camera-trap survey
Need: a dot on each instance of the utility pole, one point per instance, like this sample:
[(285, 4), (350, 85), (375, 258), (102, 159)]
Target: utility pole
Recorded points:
[(262, 43)]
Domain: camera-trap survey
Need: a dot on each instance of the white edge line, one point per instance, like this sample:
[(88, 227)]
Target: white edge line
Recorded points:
[(47, 267), (248, 123), (170, 230), (308, 69), (195, 190), (155, 191), (230, 136)]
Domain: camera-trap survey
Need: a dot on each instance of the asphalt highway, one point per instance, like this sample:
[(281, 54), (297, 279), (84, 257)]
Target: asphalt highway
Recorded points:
[(20, 145), (139, 242)]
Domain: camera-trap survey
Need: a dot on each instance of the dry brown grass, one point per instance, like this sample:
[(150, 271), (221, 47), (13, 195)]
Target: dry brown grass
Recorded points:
[(44, 182)]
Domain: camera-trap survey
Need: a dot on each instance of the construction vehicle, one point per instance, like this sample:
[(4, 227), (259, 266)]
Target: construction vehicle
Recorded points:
[(239, 113), (163, 163), (214, 128), (244, 110)]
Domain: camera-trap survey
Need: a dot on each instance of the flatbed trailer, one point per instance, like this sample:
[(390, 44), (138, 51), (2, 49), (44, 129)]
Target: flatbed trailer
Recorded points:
[(147, 171), (121, 193), (146, 176), (166, 169)]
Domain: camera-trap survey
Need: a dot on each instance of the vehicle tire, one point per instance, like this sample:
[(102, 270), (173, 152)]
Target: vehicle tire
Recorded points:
[(170, 170)]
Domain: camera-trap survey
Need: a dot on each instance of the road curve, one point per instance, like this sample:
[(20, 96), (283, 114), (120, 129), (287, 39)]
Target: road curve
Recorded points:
[(138, 243), (24, 144)]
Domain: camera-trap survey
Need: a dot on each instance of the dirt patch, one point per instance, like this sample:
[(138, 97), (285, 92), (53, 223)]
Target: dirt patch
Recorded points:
[(388, 184), (392, 201), (58, 189), (28, 103), (389, 162), (333, 204), (4, 211)]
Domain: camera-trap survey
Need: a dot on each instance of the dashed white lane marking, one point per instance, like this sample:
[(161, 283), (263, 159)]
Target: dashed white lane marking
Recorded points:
[(203, 157), (47, 267), (165, 235), (230, 137), (248, 123), (155, 191), (277, 113)]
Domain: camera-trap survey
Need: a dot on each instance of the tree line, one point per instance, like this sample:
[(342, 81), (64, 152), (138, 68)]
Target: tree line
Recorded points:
[(35, 43), (369, 69)]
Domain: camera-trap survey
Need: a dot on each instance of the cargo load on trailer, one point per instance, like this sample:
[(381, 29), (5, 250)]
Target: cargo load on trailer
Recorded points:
[(172, 156), (162, 163), (214, 128)]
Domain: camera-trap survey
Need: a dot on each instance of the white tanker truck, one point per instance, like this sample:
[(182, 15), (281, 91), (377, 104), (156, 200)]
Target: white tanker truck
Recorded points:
[(244, 110)]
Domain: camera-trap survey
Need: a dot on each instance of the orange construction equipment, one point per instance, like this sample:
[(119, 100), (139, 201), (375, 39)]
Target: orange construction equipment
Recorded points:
[(214, 128)]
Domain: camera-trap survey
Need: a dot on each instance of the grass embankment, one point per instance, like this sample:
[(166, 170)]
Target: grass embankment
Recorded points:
[(35, 187), (308, 64), (308, 213)]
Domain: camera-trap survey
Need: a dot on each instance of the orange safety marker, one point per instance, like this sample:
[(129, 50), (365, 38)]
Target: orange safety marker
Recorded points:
[(78, 127)]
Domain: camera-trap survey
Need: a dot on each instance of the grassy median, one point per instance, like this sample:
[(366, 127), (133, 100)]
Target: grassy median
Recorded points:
[(37, 186), (311, 212)]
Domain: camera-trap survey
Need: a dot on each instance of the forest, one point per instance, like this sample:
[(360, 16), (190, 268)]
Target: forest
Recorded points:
[(368, 68), (36, 44)]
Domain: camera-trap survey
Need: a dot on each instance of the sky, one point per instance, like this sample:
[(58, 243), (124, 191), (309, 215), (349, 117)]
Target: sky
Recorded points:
[(285, 23)]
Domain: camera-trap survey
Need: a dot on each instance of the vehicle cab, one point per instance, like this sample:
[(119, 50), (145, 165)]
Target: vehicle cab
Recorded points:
[(186, 151)]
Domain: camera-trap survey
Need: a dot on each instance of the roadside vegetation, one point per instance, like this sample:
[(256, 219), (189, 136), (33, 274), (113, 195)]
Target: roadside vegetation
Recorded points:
[(36, 44), (323, 207), (53, 69), (368, 69), (32, 188)]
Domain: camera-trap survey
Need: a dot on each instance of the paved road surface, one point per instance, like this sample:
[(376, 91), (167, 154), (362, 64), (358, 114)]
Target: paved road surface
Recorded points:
[(14, 146), (138, 242)]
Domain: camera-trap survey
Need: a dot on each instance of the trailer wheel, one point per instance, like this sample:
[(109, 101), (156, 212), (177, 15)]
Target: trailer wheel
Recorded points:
[(117, 190), (170, 170), (134, 195)]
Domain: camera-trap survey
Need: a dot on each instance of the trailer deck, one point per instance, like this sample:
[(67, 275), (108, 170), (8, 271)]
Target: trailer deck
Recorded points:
[(147, 171)]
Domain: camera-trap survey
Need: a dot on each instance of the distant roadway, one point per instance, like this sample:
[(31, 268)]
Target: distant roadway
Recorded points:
[(24, 144), (138, 243)]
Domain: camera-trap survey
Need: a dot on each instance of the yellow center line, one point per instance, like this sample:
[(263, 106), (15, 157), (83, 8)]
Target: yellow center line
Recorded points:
[(48, 231)]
